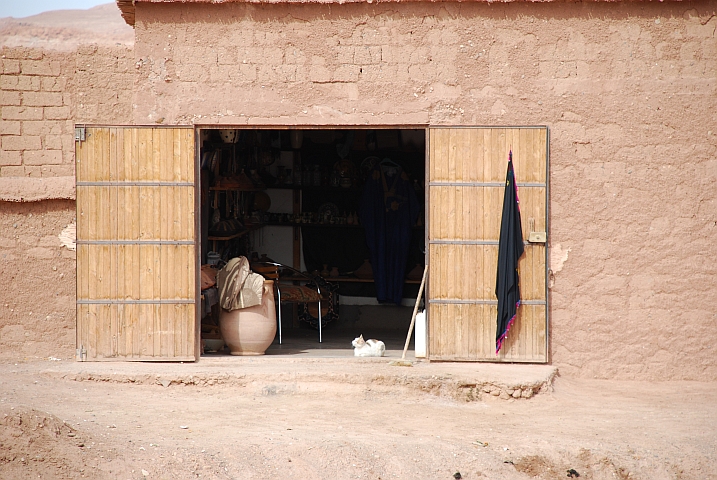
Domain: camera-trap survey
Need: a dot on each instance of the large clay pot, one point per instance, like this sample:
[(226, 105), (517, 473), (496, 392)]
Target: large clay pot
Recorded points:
[(250, 331)]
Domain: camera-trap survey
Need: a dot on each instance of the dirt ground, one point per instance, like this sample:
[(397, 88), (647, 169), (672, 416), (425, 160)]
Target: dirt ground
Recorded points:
[(53, 427)]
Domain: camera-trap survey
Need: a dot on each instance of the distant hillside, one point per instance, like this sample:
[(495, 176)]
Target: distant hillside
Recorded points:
[(66, 29)]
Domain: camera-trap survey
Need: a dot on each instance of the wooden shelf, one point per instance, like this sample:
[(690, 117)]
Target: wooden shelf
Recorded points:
[(324, 225), (236, 189), (230, 237), (321, 188), (362, 280), (345, 279), (249, 228), (330, 225)]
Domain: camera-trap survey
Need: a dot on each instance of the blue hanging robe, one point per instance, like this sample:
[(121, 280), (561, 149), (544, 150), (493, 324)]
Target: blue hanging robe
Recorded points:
[(389, 209), (510, 249)]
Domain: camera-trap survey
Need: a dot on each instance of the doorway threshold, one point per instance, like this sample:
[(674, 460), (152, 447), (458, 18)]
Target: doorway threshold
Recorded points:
[(268, 375)]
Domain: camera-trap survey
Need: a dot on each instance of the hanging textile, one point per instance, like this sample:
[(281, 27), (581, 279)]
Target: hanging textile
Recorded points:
[(510, 249), (389, 210)]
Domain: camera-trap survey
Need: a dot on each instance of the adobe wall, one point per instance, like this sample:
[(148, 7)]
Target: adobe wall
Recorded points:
[(43, 94), (37, 280), (629, 92)]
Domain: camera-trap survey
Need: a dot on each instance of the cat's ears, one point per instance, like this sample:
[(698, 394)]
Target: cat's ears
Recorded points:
[(361, 336)]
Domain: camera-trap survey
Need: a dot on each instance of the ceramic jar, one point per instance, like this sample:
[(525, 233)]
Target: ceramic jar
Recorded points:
[(250, 331)]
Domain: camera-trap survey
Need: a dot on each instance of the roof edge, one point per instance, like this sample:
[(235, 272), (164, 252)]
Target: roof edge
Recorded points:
[(127, 7)]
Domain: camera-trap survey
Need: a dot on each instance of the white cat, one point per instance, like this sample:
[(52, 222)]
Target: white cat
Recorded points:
[(368, 348)]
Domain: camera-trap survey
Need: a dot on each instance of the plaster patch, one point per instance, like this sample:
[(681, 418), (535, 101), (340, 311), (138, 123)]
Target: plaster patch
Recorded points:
[(558, 257), (68, 237)]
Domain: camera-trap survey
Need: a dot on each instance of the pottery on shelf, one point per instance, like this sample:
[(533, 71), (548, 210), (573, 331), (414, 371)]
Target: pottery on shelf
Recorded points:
[(250, 331)]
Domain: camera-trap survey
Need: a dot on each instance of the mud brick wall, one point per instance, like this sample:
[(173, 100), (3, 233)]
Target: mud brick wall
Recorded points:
[(37, 281), (36, 135), (43, 94), (103, 85), (628, 90)]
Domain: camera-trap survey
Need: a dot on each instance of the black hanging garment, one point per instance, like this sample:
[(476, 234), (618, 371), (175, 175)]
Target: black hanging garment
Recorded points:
[(510, 249)]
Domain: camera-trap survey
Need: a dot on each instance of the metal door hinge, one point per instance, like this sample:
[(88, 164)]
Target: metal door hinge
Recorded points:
[(81, 354), (79, 134)]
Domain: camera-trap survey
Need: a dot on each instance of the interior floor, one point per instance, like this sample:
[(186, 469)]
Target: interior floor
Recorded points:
[(304, 343)]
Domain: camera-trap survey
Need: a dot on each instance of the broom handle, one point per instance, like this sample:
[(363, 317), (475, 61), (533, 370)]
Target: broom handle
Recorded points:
[(415, 311)]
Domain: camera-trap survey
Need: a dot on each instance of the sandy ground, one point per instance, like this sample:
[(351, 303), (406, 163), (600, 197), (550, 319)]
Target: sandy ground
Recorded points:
[(52, 427)]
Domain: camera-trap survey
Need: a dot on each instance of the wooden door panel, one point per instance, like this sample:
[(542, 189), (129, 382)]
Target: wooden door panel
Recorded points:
[(138, 331), (528, 333), (136, 261), (532, 272), (468, 212), (475, 267), (466, 332), (467, 168), (469, 154), (463, 331)]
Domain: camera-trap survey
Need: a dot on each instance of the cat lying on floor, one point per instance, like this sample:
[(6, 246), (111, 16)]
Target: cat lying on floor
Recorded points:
[(368, 348)]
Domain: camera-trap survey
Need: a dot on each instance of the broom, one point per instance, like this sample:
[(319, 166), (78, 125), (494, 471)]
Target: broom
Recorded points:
[(403, 362)]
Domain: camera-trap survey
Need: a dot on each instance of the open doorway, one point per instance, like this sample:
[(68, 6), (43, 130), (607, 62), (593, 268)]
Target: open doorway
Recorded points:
[(346, 206)]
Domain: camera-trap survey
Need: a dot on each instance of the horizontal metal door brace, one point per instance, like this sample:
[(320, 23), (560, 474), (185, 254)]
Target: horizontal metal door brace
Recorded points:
[(134, 184), (135, 242), (135, 302), (482, 184), (469, 242), (480, 302)]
